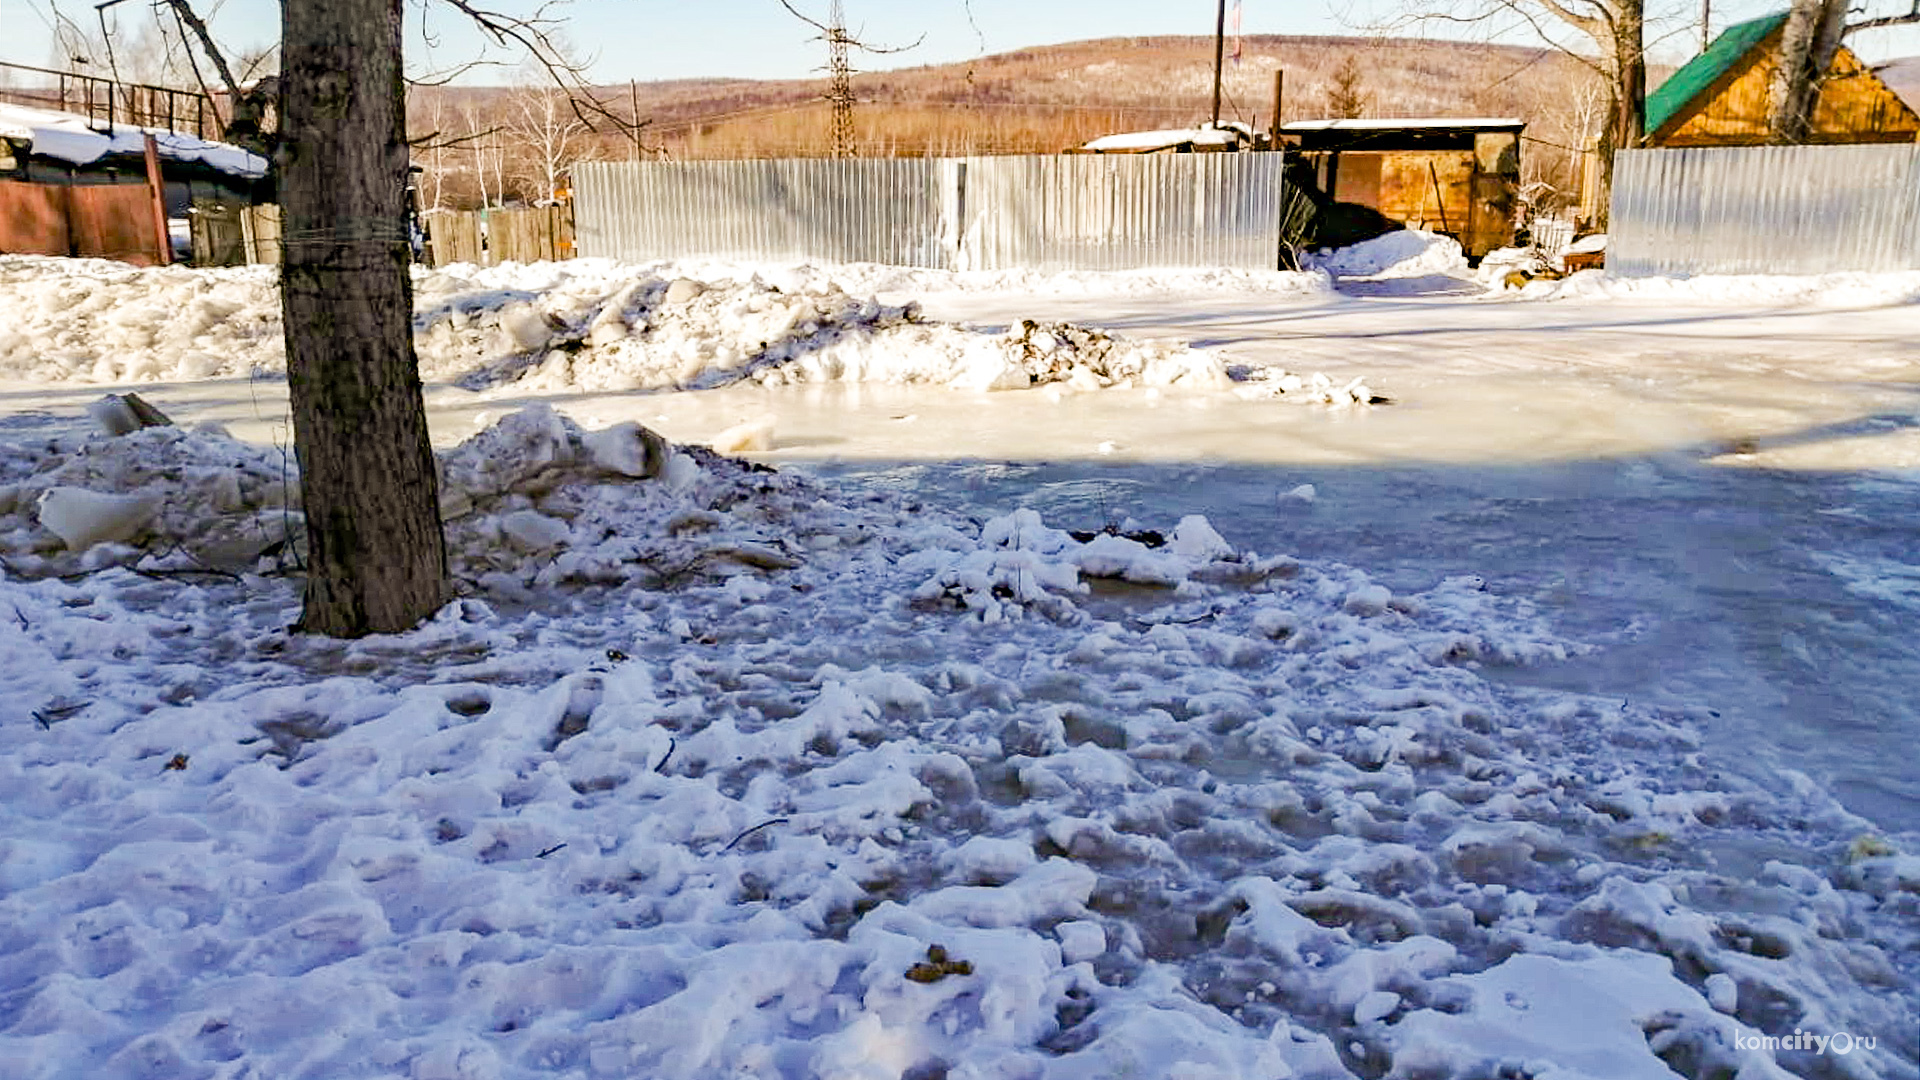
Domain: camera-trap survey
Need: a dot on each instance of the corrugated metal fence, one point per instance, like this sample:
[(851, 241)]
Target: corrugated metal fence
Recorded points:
[(1765, 210), (1042, 213)]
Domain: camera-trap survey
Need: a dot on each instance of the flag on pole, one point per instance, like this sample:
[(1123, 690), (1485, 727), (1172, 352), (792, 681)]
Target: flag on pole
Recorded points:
[(1233, 20)]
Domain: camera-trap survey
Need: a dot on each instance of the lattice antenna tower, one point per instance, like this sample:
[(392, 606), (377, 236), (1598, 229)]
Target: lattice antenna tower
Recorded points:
[(840, 88)]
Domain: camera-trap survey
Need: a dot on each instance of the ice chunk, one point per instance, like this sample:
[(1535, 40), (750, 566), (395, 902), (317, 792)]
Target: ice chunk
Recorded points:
[(1368, 600), (82, 518), (628, 449), (1723, 993), (754, 435), (531, 530), (1081, 940), (1194, 538), (1375, 1005)]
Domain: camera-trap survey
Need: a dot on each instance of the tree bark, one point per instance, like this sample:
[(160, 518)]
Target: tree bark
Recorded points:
[(369, 486), (1808, 43), (1630, 76), (1626, 126)]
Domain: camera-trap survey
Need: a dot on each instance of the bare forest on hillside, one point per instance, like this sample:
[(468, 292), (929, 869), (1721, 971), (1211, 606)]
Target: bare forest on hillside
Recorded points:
[(512, 145)]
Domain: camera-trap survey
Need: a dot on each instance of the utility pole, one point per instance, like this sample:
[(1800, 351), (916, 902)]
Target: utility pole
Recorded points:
[(840, 92), (1219, 56)]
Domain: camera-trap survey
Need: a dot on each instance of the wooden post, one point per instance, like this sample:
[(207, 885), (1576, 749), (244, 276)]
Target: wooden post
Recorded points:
[(158, 185), (1219, 57), (1279, 86), (633, 91)]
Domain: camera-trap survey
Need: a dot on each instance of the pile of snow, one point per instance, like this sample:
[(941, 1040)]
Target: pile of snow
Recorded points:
[(1402, 254), (1839, 290), (876, 278), (715, 771), (586, 325)]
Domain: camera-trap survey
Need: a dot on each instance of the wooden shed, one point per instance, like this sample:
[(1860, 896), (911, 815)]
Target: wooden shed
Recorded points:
[(1449, 175), (1720, 97)]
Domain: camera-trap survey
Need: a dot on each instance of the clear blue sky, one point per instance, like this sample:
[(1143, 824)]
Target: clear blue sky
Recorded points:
[(663, 39)]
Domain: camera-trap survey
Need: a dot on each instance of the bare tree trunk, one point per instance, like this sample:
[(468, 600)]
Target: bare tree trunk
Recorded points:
[(377, 561), (1626, 126), (1808, 43)]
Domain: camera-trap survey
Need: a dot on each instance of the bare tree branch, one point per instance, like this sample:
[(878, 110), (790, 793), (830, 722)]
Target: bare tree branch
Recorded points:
[(1909, 18), (830, 32), (183, 10)]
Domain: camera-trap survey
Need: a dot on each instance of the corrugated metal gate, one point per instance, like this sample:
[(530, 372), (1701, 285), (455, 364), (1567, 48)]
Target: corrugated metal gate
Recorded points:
[(1044, 213), (1765, 210)]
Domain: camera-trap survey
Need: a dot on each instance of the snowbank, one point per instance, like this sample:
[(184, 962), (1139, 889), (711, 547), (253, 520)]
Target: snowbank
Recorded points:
[(1402, 254), (1847, 290), (585, 325), (714, 771)]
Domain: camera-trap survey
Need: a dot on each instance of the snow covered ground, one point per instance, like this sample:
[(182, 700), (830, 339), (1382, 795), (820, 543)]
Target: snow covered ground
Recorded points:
[(721, 771)]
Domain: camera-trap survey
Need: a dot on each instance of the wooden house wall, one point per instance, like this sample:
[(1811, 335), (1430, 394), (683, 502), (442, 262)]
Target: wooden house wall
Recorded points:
[(1854, 106)]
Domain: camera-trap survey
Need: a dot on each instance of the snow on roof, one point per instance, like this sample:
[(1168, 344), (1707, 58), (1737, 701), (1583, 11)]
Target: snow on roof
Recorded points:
[(1401, 123), (1224, 135), (70, 138), (1902, 76)]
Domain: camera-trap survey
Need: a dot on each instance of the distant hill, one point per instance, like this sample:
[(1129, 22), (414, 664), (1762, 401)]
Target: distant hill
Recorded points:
[(1049, 98)]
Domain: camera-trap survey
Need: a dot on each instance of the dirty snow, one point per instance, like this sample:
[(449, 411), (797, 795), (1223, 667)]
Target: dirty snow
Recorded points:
[(579, 326), (717, 770)]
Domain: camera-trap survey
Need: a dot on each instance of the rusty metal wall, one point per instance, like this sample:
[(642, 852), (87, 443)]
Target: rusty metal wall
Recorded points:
[(106, 221), (1078, 212), (1765, 210)]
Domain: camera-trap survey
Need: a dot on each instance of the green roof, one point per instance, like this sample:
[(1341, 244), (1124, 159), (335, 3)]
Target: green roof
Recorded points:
[(1704, 70)]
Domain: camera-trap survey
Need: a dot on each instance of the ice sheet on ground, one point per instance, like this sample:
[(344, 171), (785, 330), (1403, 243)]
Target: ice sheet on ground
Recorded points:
[(716, 771)]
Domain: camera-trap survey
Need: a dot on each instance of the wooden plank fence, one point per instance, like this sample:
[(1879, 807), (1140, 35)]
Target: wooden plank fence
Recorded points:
[(228, 233), (490, 237)]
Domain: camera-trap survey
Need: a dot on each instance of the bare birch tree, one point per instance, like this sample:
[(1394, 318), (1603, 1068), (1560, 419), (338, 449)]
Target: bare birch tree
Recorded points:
[(1808, 43), (548, 139)]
